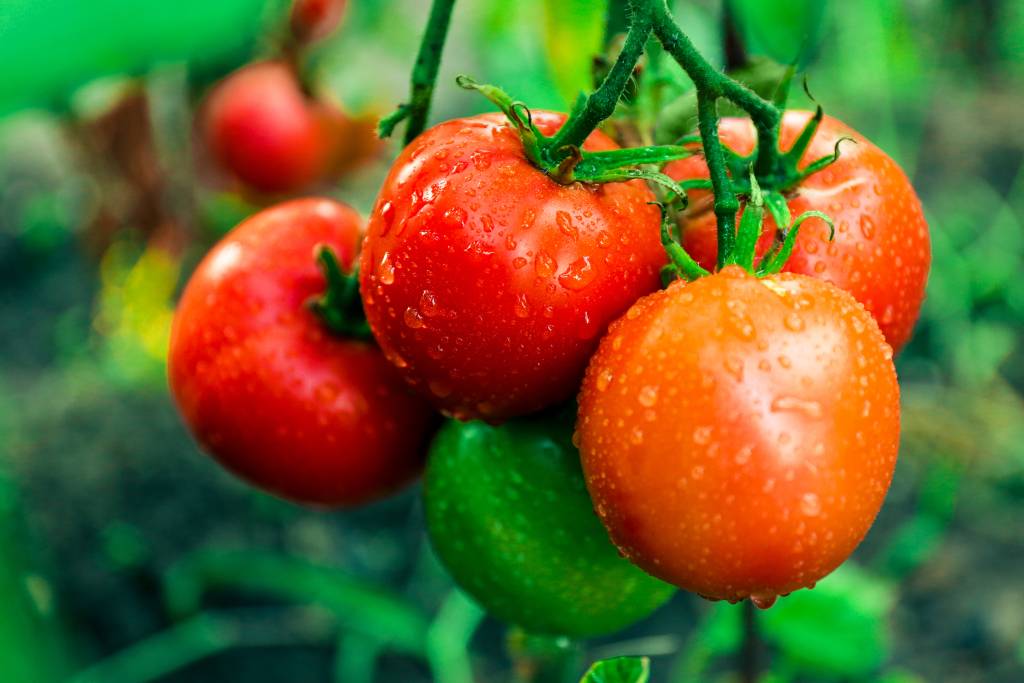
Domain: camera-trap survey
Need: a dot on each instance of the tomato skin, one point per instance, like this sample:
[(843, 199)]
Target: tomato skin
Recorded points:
[(509, 516), (263, 386), (881, 252), (486, 282), (261, 128), (738, 436)]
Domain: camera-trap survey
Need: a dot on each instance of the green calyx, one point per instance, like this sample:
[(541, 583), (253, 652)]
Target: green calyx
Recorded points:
[(743, 249), (339, 308), (567, 162)]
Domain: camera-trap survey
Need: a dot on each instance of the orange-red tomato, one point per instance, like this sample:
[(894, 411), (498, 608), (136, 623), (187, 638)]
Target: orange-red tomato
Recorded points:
[(881, 252), (263, 129), (267, 390), (486, 282), (315, 19), (738, 435)]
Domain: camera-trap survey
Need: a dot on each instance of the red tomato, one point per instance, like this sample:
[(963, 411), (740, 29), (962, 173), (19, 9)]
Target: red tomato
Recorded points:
[(486, 282), (738, 435), (315, 19), (881, 252), (267, 390), (262, 128)]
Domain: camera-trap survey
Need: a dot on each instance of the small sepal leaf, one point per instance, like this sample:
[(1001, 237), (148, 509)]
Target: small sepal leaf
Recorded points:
[(619, 670), (679, 260), (775, 259), (339, 308)]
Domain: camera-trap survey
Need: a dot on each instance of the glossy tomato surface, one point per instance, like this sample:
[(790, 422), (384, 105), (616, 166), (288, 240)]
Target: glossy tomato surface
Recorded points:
[(487, 283), (881, 252), (261, 127), (267, 390), (738, 435), (509, 516)]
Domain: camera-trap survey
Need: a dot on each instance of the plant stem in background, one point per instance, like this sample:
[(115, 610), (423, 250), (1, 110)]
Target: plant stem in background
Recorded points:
[(748, 662), (424, 75)]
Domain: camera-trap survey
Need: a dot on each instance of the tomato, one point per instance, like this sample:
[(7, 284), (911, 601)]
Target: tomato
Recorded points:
[(738, 435), (881, 252), (486, 282), (315, 19), (509, 516), (267, 390), (261, 127)]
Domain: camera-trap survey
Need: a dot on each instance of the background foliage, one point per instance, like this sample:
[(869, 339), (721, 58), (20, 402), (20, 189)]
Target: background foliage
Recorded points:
[(125, 554)]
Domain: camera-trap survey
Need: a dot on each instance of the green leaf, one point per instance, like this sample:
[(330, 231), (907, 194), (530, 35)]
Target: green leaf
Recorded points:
[(573, 33), (838, 629), (619, 670)]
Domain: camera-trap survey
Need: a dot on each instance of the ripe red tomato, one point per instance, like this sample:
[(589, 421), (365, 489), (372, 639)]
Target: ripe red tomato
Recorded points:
[(263, 129), (486, 282), (881, 252), (315, 19), (267, 390), (738, 435)]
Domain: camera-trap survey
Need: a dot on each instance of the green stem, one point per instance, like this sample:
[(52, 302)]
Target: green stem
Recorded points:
[(601, 103), (726, 203), (449, 636), (424, 74)]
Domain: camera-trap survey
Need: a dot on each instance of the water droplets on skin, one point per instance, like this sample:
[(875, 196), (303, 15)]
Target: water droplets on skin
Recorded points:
[(702, 436), (413, 318), (522, 306), (734, 366), (518, 262), (455, 218), (604, 378), (763, 601), (439, 388), (386, 269), (387, 217), (793, 322), (428, 304), (648, 396), (636, 436), (544, 264), (578, 275), (867, 227), (792, 404), (565, 225), (810, 505)]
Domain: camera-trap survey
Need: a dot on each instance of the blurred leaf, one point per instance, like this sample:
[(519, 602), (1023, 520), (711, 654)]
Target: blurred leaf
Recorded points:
[(49, 47), (135, 309), (788, 31), (619, 670), (449, 636), (573, 32), (840, 628), (358, 605)]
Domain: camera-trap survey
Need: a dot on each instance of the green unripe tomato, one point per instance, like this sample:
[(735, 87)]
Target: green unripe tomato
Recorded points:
[(509, 516)]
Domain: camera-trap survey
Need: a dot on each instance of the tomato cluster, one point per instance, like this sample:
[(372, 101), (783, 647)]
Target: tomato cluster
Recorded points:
[(734, 433)]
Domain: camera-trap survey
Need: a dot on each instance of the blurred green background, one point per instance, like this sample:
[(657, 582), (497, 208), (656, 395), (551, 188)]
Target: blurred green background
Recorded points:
[(126, 555)]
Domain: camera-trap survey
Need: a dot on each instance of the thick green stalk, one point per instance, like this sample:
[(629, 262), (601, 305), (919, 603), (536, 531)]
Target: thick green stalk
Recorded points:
[(601, 103), (424, 74)]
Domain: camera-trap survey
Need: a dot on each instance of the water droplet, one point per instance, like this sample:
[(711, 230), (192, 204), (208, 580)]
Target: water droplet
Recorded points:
[(440, 389), (544, 264), (783, 404), (564, 222), (743, 455), (763, 601), (387, 217), (648, 396), (518, 262), (578, 274), (794, 322), (810, 505), (522, 306), (702, 435), (888, 314), (734, 366), (636, 437), (455, 218), (481, 160), (697, 472), (428, 304), (413, 319), (867, 227), (604, 378), (604, 240), (386, 269)]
